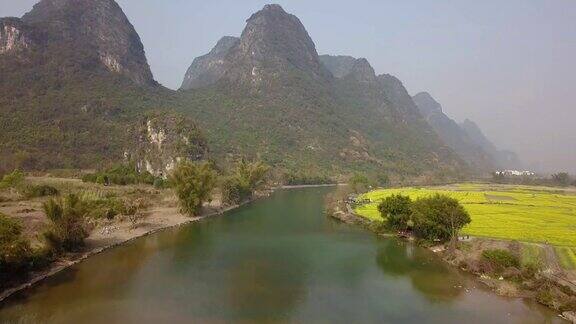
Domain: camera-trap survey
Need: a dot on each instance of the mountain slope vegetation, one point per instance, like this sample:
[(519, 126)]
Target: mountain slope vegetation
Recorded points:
[(77, 91), (273, 96)]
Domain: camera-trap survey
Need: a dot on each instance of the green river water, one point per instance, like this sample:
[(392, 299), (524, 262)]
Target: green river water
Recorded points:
[(276, 260)]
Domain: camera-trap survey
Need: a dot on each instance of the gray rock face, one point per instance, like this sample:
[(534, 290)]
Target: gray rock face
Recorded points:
[(340, 66), (427, 104), (163, 140), (349, 67), (362, 71), (99, 26), (273, 43), (14, 35), (208, 69), (398, 96)]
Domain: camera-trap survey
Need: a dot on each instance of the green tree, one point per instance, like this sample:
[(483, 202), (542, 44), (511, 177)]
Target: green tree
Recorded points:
[(439, 217), (383, 180), (397, 210), (67, 217), (194, 184), (359, 183), (561, 179), (252, 173), (246, 178), (498, 177), (14, 248)]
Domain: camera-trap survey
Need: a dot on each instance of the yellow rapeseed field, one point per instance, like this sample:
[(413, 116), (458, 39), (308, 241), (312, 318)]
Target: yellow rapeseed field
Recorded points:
[(523, 213)]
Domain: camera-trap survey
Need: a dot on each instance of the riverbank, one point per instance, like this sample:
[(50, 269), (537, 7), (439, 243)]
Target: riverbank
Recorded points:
[(163, 216), (118, 233), (544, 287)]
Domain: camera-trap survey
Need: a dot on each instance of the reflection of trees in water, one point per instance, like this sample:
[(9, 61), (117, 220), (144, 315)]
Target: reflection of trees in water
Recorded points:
[(430, 277)]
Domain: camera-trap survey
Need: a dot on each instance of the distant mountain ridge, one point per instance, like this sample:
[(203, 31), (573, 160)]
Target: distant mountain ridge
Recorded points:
[(466, 138), (272, 95), (208, 69), (505, 159), (77, 68)]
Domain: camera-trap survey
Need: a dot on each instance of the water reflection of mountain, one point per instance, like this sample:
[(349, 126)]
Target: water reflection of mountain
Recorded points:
[(434, 280)]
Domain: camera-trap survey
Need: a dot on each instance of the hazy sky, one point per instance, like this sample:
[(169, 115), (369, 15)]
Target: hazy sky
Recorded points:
[(508, 65)]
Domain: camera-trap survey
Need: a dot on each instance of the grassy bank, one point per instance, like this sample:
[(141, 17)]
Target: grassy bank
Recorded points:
[(523, 240), (523, 213)]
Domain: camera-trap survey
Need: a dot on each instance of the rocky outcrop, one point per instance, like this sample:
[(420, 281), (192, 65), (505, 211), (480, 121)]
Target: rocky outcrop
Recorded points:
[(163, 141), (14, 35), (98, 27), (343, 67), (272, 45), (357, 71), (208, 69), (339, 65), (397, 95)]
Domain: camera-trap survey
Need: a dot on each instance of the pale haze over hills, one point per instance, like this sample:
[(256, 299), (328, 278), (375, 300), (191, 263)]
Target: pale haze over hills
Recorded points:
[(507, 66)]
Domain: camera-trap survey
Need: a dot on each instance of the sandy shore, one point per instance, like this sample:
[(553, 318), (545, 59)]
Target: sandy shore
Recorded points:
[(116, 234)]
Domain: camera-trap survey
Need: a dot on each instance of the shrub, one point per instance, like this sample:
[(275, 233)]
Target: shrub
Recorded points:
[(300, 179), (14, 248), (382, 180), (359, 183), (499, 260), (438, 218), (252, 173), (397, 210), (530, 270), (12, 180), (120, 175), (108, 207), (67, 223), (234, 191), (245, 180), (193, 183), (160, 183), (561, 179), (39, 191)]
